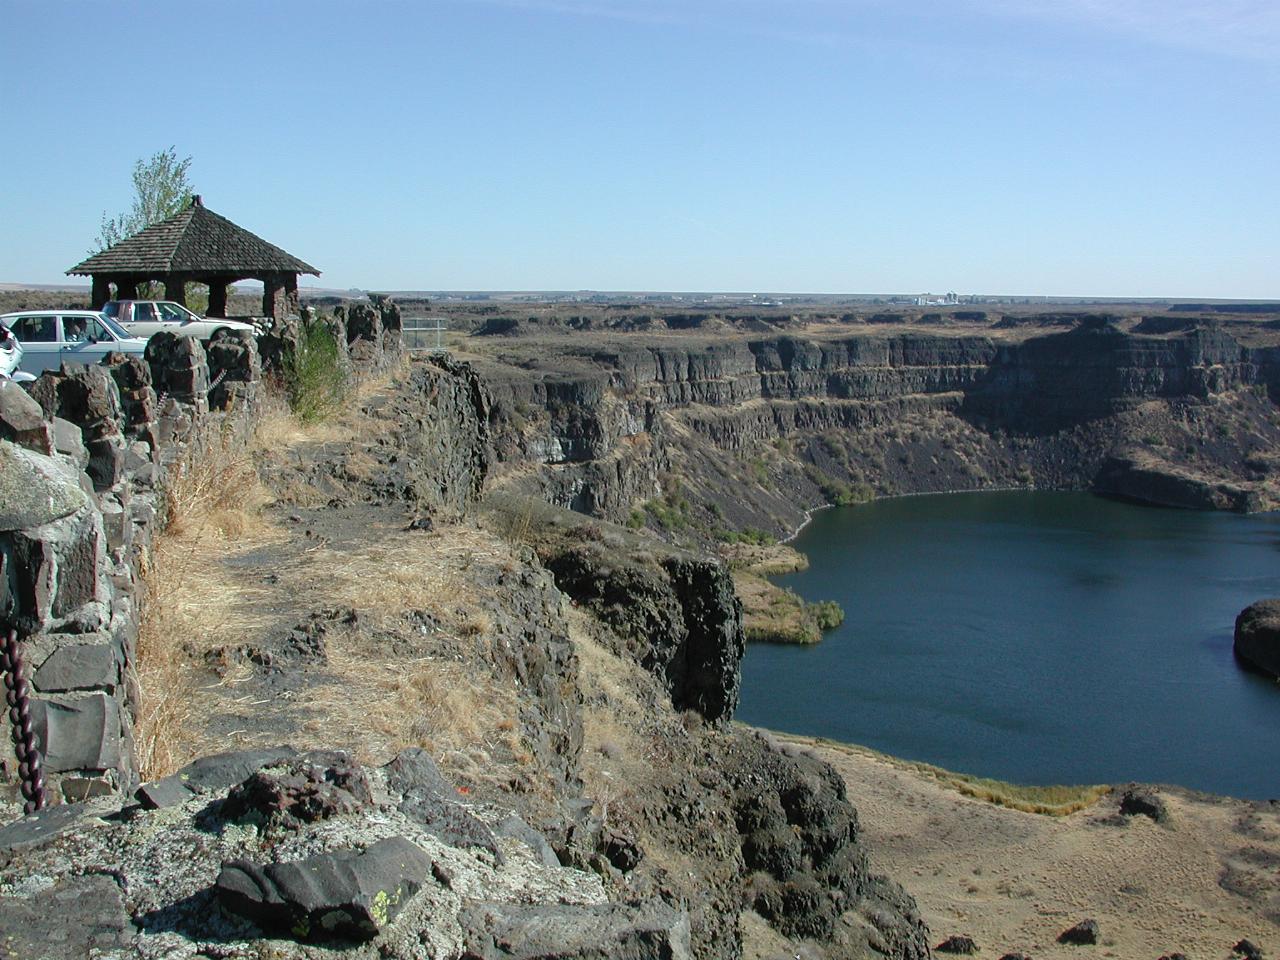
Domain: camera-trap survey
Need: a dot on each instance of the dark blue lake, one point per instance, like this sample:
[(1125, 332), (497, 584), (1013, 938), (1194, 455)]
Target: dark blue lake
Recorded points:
[(1035, 637)]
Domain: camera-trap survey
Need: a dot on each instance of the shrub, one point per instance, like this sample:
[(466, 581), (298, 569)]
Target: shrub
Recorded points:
[(827, 614), (314, 377)]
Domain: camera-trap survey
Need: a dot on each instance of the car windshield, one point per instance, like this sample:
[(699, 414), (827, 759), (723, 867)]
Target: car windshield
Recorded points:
[(112, 309), (120, 332)]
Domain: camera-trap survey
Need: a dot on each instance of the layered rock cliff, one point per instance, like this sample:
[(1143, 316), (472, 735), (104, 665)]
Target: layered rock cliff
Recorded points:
[(902, 413)]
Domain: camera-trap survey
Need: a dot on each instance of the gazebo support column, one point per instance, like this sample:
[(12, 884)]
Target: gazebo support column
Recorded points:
[(291, 304), (126, 288), (101, 291), (175, 289), (273, 297), (217, 298)]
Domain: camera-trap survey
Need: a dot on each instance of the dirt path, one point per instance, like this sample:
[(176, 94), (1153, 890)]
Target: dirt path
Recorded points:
[(1013, 881)]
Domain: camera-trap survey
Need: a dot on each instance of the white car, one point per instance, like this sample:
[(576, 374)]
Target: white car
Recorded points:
[(10, 353), (50, 338), (142, 318)]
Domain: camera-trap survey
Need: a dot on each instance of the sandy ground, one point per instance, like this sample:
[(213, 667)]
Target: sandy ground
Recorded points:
[(1013, 881)]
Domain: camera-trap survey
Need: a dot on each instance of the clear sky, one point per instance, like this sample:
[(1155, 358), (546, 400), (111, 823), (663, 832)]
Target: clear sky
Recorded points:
[(1061, 147)]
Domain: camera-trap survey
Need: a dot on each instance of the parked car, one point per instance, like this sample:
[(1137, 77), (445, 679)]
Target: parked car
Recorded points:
[(50, 338), (10, 352), (142, 318)]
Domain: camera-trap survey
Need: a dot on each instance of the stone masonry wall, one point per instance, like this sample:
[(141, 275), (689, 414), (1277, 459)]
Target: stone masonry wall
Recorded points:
[(83, 458)]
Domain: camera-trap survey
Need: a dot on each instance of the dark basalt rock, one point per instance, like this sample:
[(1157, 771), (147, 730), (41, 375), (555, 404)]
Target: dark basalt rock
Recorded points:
[(212, 773), (1257, 636), (1083, 933), (1023, 956), (427, 798), (957, 943), (679, 614), (1137, 801), (1248, 949), (341, 894), (299, 791)]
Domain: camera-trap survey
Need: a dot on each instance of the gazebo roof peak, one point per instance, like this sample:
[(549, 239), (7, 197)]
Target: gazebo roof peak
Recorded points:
[(193, 241)]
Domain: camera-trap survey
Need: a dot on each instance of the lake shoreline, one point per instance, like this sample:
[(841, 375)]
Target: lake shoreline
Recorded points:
[(1013, 880), (1105, 591)]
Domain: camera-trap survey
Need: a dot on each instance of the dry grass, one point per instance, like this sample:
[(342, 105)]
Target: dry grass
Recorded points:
[(1053, 801), (212, 503), (771, 614), (453, 710), (765, 560)]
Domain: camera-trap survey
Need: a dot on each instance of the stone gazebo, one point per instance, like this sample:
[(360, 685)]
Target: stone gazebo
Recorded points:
[(197, 246)]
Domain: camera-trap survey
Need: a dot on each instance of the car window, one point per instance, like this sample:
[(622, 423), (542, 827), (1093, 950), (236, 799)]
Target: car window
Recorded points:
[(144, 313), (111, 309), (73, 330), (172, 313), (120, 332), (95, 332), (35, 329)]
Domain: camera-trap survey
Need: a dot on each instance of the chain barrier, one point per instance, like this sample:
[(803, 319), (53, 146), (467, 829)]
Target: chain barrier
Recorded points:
[(18, 696)]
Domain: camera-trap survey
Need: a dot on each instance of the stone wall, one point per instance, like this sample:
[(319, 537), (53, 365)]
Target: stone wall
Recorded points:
[(83, 458)]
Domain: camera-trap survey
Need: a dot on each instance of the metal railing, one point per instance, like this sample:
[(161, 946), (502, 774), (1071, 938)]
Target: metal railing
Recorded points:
[(423, 334)]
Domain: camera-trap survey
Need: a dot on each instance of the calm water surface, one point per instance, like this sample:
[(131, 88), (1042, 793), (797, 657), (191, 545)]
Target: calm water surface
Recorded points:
[(1034, 637)]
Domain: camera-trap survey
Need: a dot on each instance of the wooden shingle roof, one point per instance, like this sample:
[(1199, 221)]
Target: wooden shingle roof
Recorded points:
[(196, 241)]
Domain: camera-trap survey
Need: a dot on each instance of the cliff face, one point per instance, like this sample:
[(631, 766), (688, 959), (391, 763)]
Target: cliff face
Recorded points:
[(1049, 410)]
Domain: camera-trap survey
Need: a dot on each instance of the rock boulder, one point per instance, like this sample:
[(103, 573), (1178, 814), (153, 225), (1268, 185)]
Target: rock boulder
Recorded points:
[(1257, 640)]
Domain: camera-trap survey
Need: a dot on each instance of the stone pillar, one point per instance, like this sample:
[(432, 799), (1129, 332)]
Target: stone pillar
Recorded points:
[(175, 289), (273, 297), (217, 298), (291, 293), (101, 291)]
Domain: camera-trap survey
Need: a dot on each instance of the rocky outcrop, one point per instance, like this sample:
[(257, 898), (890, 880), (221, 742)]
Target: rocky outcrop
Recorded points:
[(363, 877), (1137, 475), (1257, 636), (677, 614)]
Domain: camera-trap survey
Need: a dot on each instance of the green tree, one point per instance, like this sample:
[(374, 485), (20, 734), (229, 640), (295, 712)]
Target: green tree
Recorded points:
[(161, 189)]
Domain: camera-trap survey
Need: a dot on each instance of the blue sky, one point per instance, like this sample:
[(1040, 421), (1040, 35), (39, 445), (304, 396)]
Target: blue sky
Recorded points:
[(1059, 147)]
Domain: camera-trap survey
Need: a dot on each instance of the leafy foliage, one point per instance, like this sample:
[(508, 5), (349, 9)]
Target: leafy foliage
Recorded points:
[(161, 189), (314, 376)]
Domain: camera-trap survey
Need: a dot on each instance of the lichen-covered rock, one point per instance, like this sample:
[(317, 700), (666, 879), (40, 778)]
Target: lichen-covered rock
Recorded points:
[(35, 490), (653, 931), (76, 917)]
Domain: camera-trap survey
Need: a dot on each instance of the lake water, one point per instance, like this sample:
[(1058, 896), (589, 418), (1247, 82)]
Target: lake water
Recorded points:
[(1035, 637)]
